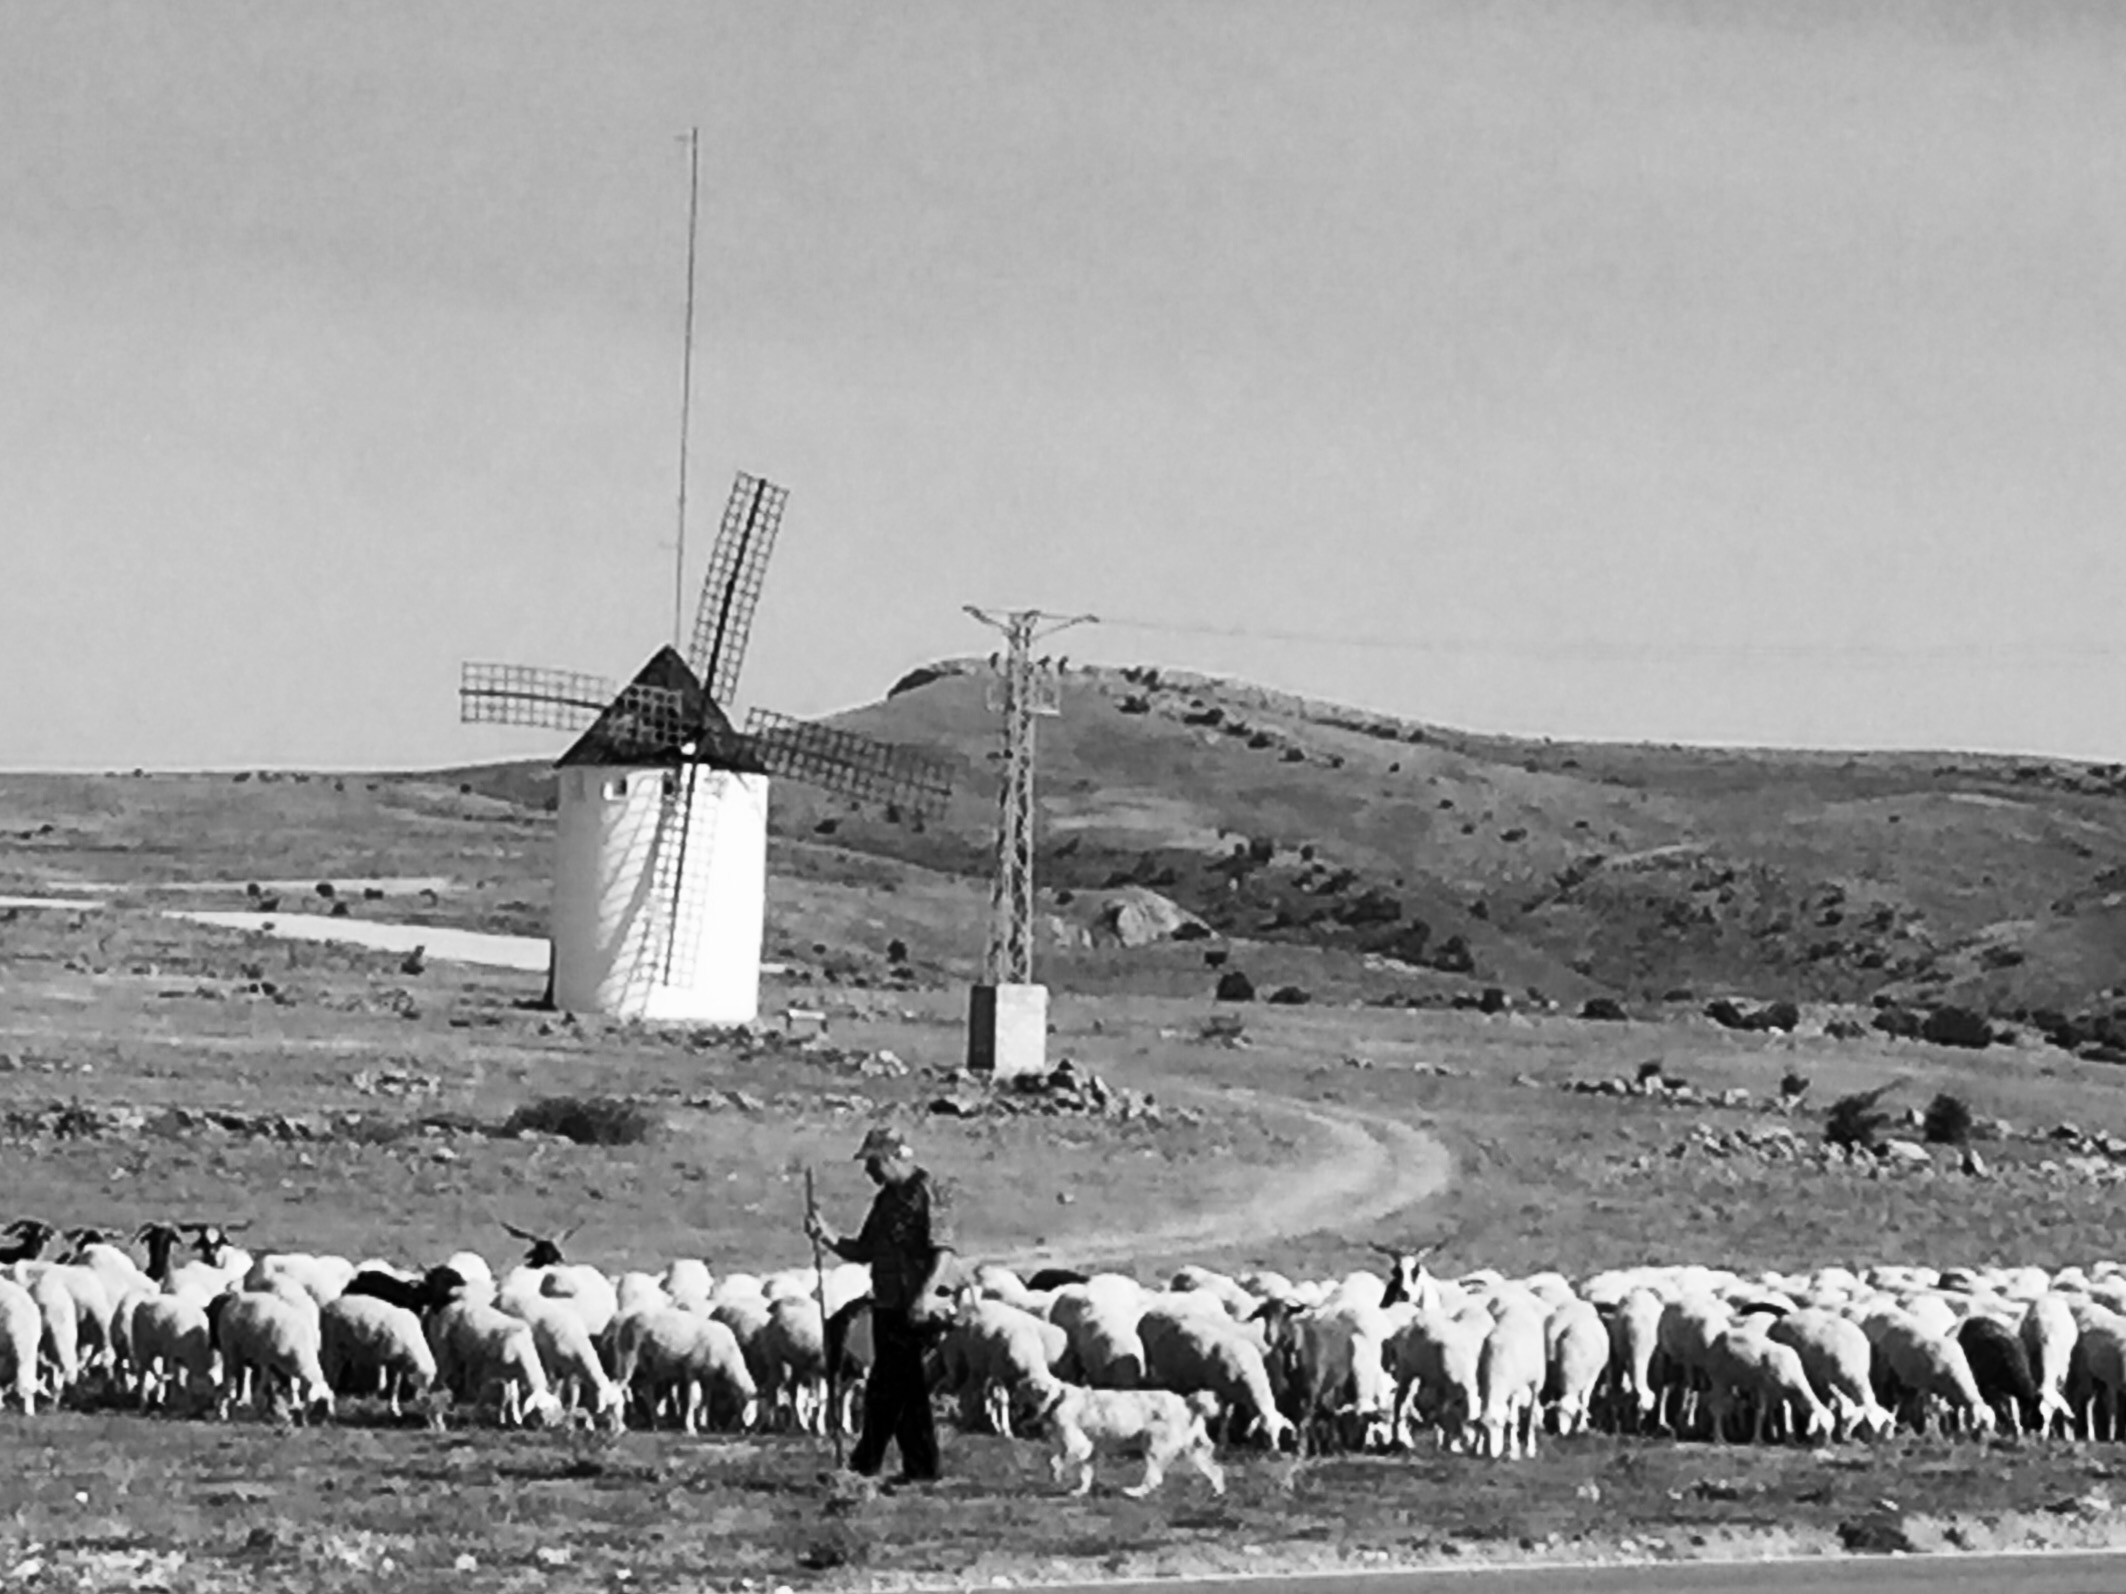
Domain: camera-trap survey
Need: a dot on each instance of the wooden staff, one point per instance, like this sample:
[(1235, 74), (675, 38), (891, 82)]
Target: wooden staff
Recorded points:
[(819, 1269)]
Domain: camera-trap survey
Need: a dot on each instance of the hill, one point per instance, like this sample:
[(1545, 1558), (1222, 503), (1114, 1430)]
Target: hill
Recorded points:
[(1354, 855)]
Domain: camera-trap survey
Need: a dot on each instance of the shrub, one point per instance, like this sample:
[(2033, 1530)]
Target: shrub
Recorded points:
[(1855, 1120), (1956, 1026), (1948, 1121), (587, 1120), (1289, 996), (1607, 1008), (1234, 986)]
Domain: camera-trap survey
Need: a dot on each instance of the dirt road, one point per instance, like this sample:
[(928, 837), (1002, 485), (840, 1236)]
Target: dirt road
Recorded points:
[(1376, 1167)]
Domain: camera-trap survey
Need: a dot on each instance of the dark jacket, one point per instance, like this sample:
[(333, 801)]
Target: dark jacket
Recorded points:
[(908, 1225)]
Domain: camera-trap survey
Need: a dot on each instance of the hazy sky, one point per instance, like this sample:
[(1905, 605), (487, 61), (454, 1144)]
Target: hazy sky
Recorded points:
[(1716, 372)]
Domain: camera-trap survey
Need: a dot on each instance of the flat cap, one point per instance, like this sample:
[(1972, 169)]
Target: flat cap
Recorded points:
[(880, 1141)]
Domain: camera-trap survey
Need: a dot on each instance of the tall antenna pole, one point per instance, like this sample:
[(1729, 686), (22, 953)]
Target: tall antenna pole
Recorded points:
[(686, 389), (1026, 692)]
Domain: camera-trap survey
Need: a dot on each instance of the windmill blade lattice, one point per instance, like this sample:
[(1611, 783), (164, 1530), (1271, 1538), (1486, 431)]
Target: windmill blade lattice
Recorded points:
[(737, 566), (847, 764), (567, 700)]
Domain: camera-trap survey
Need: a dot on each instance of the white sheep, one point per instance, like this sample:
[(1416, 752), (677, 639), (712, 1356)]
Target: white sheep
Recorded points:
[(1432, 1359), (481, 1351), (1916, 1367), (1748, 1364), (1634, 1326), (171, 1349), (1838, 1360), (21, 1329), (267, 1336), (992, 1353), (1191, 1352), (1106, 1351), (1576, 1355), (573, 1369), (687, 1283), (691, 1358), (2048, 1332), (1509, 1379), (368, 1346), (321, 1277)]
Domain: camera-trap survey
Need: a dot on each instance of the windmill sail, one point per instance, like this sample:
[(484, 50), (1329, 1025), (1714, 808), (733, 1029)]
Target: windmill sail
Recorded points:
[(737, 566), (847, 764), (563, 700)]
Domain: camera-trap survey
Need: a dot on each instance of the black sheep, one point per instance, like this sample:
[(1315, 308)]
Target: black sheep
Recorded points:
[(2001, 1369), (433, 1289), (1055, 1278)]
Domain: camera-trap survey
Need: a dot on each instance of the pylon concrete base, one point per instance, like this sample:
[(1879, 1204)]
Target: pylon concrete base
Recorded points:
[(1007, 1030)]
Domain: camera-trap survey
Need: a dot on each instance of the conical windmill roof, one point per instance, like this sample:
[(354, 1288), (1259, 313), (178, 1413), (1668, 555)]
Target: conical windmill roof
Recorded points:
[(623, 734)]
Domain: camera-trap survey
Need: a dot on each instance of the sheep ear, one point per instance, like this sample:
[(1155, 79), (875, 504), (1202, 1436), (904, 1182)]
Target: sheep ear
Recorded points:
[(522, 1234)]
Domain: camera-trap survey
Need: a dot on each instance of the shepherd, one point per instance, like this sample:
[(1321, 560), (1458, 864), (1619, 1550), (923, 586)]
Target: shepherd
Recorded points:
[(907, 1240)]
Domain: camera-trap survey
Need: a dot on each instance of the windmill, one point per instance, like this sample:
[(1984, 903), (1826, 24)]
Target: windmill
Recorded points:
[(660, 847)]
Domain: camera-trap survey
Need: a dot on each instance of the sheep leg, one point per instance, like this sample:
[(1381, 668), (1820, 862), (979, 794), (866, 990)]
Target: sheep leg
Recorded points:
[(1154, 1472)]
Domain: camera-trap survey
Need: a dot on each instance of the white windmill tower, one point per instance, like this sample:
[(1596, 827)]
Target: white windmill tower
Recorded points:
[(660, 850)]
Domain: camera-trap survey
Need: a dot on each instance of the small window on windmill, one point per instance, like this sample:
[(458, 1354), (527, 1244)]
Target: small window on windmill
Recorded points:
[(616, 788)]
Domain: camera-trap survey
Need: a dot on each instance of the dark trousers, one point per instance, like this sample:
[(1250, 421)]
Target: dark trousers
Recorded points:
[(897, 1400)]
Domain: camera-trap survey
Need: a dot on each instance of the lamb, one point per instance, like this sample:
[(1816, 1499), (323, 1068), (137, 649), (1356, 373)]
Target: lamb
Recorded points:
[(369, 1346), (21, 1327), (1167, 1427), (2001, 1369), (1509, 1376), (480, 1349), (696, 1359), (1836, 1356), (171, 1348), (271, 1337), (1195, 1353)]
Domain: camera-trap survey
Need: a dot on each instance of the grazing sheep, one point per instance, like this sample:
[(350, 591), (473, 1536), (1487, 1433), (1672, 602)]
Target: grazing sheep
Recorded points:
[(2001, 1369), (322, 1278), (694, 1360), (1838, 1360), (1166, 1427), (1748, 1365), (992, 1353), (273, 1339), (573, 1369), (1916, 1368), (1575, 1356), (1509, 1377), (482, 1352), (1634, 1340), (687, 1282), (59, 1345), (1337, 1353), (369, 1346), (21, 1328), (1432, 1359), (1689, 1325), (1106, 1351), (171, 1349), (1193, 1352), (2048, 1332)]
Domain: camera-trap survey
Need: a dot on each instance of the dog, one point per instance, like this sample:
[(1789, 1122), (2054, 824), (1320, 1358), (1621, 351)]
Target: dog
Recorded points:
[(1162, 1426)]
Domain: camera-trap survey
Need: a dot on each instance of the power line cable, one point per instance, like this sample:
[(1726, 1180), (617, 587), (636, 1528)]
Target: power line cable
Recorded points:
[(1973, 652)]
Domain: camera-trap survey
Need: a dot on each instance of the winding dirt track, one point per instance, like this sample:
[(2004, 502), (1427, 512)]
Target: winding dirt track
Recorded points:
[(1378, 1166)]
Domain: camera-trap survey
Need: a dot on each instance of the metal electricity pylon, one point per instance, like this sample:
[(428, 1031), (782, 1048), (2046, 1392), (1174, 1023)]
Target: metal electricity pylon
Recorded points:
[(1025, 690)]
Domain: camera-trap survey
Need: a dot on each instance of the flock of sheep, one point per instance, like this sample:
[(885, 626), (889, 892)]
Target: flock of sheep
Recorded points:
[(1398, 1357)]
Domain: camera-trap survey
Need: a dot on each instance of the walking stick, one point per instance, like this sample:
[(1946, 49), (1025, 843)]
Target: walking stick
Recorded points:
[(819, 1269)]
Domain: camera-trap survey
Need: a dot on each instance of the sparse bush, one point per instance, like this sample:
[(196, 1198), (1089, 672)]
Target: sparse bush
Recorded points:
[(1956, 1026), (1948, 1121), (1234, 986), (587, 1120), (1855, 1120)]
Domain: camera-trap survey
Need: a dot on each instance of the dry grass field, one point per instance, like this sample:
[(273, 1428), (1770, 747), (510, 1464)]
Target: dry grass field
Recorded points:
[(335, 1100)]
